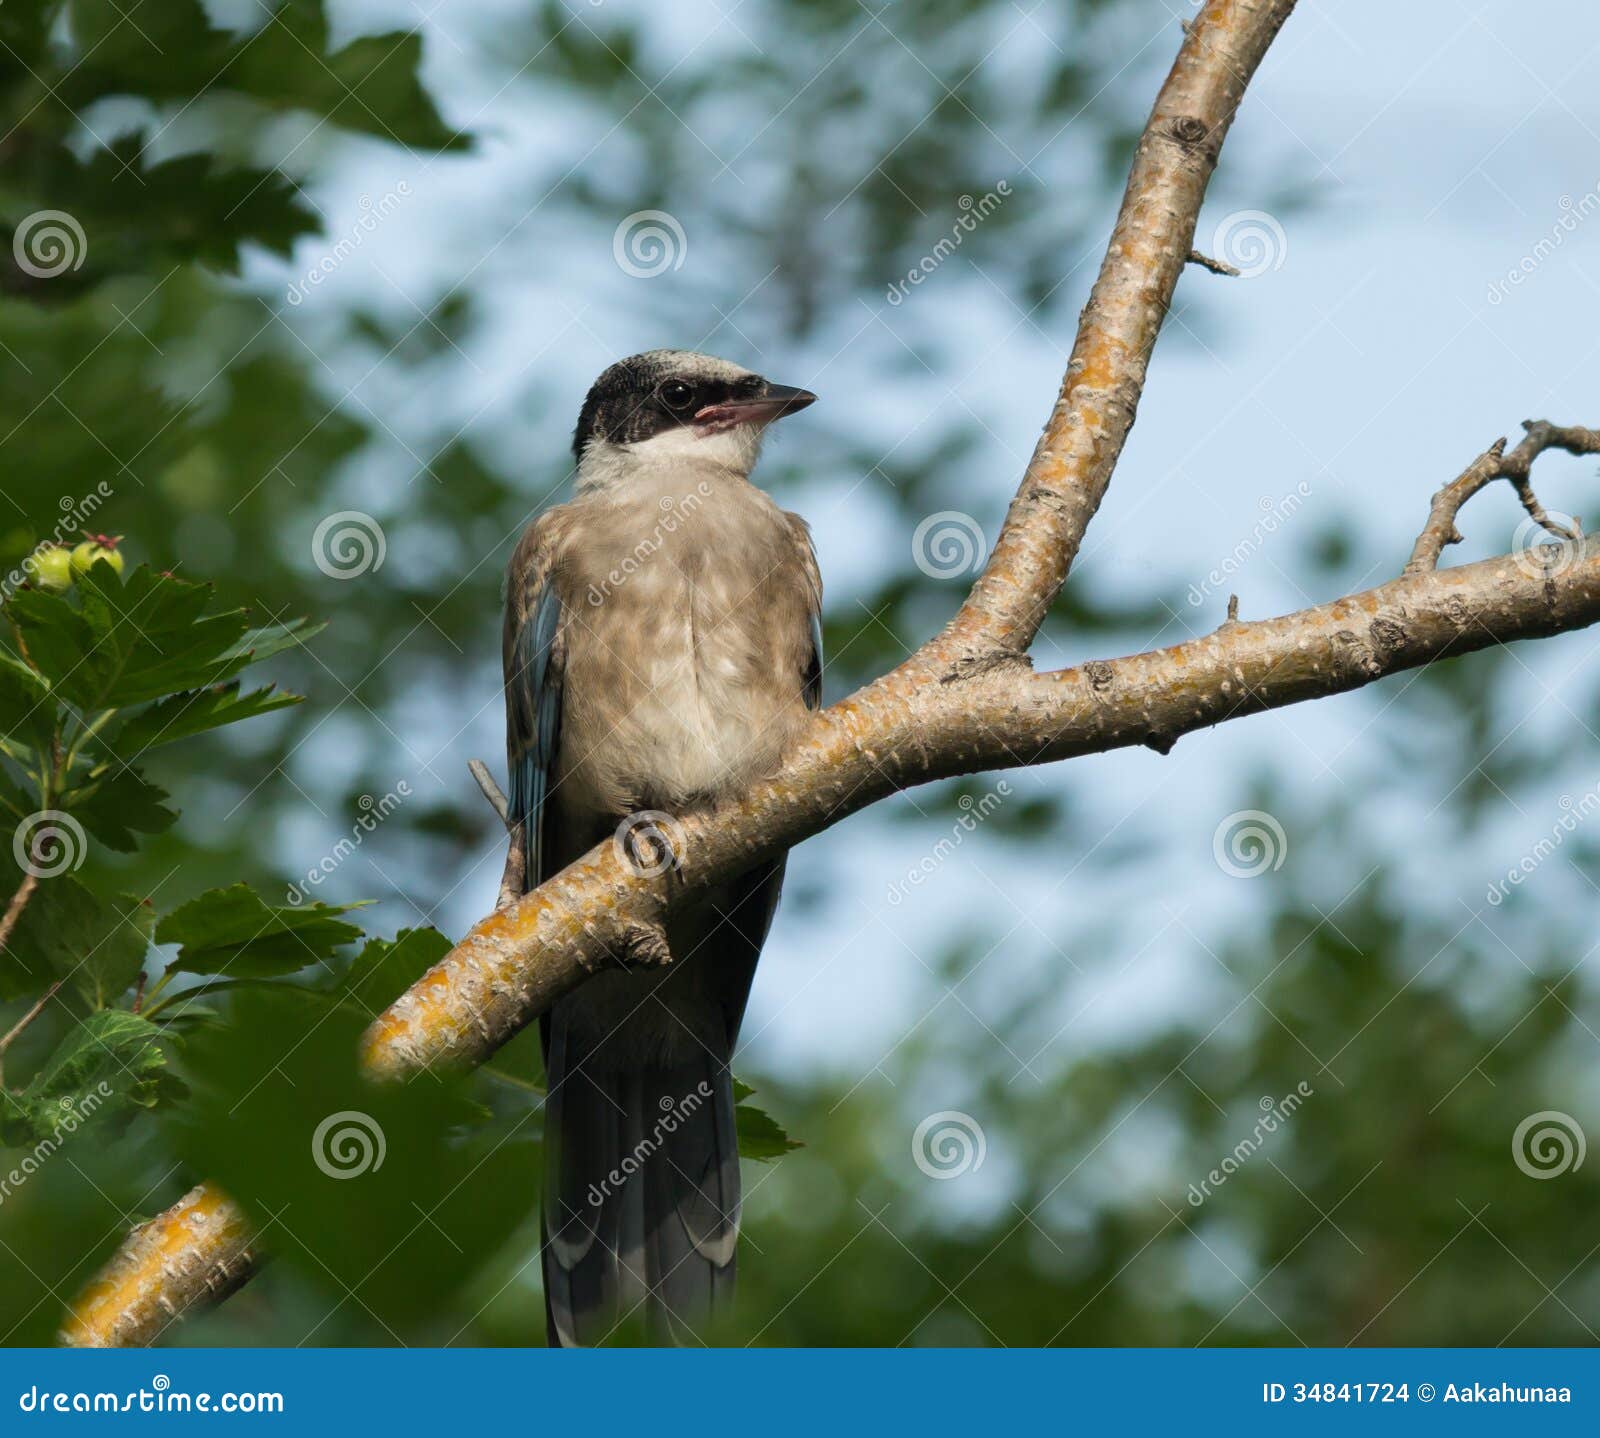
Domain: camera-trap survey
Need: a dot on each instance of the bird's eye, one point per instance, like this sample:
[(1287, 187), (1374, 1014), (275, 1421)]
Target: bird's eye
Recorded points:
[(677, 394)]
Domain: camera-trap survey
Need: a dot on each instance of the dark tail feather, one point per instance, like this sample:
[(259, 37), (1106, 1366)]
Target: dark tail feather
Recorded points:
[(641, 1213)]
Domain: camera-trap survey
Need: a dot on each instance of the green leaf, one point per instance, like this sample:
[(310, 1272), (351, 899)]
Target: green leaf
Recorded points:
[(263, 643), (112, 1063), (58, 637), (119, 804), (126, 642), (142, 216), (26, 706), (180, 716), (15, 804), (118, 643), (62, 1214), (168, 50), (386, 968), (234, 931), (68, 932), (761, 1136)]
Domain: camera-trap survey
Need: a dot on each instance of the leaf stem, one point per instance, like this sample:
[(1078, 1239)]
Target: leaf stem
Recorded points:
[(200, 991), (26, 1019), (85, 733)]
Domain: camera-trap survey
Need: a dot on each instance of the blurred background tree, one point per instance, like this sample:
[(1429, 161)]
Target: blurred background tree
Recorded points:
[(315, 290)]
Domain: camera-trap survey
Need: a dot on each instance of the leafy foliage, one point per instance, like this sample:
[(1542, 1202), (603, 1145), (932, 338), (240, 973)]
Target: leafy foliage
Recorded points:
[(111, 1063), (233, 931)]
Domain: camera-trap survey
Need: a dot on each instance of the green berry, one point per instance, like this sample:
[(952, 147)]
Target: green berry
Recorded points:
[(95, 548), (50, 567)]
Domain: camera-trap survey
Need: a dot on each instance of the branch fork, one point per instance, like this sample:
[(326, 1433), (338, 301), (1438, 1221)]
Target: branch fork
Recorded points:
[(1494, 463)]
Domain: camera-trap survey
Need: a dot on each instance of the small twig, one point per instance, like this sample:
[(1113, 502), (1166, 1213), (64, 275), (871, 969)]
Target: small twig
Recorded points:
[(22, 1023), (19, 901), (138, 993), (1217, 267), (491, 790), (1494, 463)]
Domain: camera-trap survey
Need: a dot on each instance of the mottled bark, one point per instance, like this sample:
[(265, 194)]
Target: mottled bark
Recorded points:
[(1152, 242), (915, 725), (197, 1252)]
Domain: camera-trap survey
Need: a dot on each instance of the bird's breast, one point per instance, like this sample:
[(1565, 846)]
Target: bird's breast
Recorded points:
[(687, 632)]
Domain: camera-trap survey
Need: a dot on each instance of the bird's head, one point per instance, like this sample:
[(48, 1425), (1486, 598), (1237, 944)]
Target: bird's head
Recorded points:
[(677, 407)]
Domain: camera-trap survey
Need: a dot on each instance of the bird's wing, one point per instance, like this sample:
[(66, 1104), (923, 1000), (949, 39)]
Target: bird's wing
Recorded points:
[(532, 653), (812, 673)]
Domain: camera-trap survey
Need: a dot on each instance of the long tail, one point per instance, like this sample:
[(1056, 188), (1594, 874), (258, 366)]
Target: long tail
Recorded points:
[(641, 1211)]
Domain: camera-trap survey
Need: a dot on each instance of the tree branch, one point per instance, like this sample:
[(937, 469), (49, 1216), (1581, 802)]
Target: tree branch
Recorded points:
[(197, 1252), (1152, 242), (968, 700), (14, 1032), (19, 901), (902, 731), (1494, 463)]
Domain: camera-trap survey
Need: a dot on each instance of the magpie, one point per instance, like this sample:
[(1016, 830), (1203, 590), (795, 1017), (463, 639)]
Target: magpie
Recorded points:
[(661, 647)]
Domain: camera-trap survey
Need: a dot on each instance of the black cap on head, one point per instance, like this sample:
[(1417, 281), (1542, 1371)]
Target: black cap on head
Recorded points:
[(647, 394)]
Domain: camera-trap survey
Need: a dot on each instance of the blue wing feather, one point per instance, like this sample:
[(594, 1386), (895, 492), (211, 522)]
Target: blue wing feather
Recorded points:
[(537, 702), (813, 690)]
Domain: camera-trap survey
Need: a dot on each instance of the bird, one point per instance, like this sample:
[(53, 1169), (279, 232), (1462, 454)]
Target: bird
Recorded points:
[(662, 647)]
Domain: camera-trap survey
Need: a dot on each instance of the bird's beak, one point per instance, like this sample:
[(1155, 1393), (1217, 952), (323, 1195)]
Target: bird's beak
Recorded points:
[(774, 401)]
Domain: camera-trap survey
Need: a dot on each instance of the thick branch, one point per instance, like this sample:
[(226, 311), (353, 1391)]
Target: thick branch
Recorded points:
[(198, 1251), (900, 732), (1495, 463), (1153, 240)]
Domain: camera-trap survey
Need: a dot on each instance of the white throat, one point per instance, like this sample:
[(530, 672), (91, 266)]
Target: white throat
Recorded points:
[(731, 451)]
